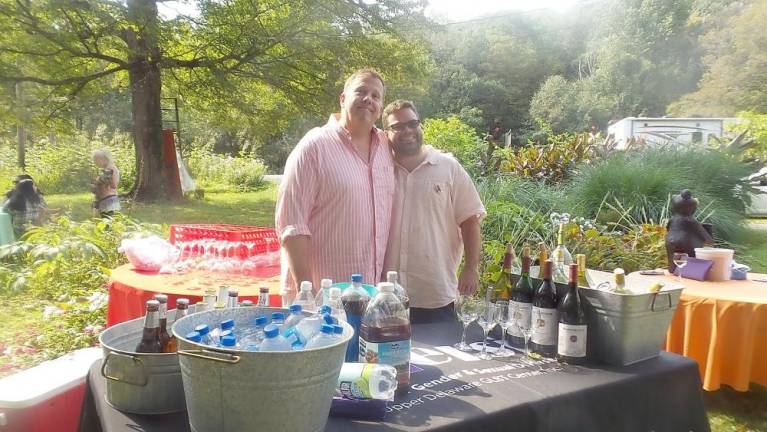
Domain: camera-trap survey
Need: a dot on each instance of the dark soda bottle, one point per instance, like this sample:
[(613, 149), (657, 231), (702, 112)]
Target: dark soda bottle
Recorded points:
[(355, 300), (150, 338), (385, 334)]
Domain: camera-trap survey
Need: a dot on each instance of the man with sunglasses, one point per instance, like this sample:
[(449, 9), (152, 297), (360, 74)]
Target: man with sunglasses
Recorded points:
[(435, 219)]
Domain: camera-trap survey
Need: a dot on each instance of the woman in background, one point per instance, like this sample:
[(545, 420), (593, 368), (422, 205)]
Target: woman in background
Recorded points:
[(25, 205), (105, 188)]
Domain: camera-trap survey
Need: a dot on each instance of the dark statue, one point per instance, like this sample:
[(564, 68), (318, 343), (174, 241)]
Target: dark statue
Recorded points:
[(684, 232)]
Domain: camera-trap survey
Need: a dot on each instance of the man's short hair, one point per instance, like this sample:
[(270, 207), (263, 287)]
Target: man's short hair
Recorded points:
[(365, 72), (397, 105)]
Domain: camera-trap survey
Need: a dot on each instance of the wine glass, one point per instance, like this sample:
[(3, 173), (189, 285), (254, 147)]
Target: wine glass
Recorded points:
[(680, 260), (487, 320), (502, 317), (467, 309), (522, 321)]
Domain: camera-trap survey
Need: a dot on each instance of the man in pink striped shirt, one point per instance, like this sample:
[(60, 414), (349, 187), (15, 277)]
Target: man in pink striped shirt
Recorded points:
[(334, 202)]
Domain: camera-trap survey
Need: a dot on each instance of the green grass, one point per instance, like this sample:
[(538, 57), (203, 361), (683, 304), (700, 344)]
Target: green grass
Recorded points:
[(732, 411), (246, 208)]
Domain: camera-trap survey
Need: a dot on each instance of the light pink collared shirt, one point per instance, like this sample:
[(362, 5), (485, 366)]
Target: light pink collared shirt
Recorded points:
[(425, 245), (341, 201)]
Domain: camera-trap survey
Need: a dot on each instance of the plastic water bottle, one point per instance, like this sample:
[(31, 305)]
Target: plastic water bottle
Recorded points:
[(367, 381), (229, 341), (323, 338), (385, 334), (194, 336), (399, 290), (278, 319), (289, 328), (205, 337), (224, 334), (322, 296), (310, 326), (305, 298), (338, 331), (334, 302), (225, 325), (273, 340), (252, 336), (355, 300)]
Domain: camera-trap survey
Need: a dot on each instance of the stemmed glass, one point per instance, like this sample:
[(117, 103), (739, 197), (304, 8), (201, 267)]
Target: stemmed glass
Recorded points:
[(523, 322), (487, 319), (502, 318), (468, 310), (680, 260)]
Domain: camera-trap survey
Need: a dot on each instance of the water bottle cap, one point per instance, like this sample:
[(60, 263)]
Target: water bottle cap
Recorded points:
[(295, 308), (228, 341), (226, 333), (356, 277), (202, 329), (227, 324), (327, 329), (391, 275), (194, 336), (306, 286), (271, 331), (246, 303), (279, 316), (262, 320), (386, 287), (325, 309), (337, 329), (328, 318), (326, 283), (335, 292)]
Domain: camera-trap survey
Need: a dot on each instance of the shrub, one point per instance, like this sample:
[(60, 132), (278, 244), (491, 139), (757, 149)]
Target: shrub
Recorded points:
[(453, 136), (211, 170), (551, 163)]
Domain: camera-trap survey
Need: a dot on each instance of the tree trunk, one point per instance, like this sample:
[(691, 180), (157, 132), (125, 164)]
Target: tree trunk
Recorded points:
[(21, 129), (146, 89)]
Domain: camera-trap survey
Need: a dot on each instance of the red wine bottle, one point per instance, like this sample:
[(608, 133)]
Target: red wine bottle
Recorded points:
[(544, 320), (571, 346), (521, 302)]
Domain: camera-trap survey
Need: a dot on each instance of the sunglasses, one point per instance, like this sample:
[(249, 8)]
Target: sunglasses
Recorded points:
[(400, 127)]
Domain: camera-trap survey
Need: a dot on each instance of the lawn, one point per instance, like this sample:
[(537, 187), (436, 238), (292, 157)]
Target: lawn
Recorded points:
[(728, 410)]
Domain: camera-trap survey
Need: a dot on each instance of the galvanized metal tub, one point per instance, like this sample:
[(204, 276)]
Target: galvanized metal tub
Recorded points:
[(137, 382), (233, 390), (626, 329)]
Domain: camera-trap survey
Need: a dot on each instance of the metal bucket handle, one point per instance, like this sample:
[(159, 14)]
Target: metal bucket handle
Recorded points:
[(135, 360), (233, 359), (655, 296)]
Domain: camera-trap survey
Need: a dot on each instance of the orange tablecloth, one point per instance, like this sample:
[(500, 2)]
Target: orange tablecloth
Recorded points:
[(723, 326), (130, 289)]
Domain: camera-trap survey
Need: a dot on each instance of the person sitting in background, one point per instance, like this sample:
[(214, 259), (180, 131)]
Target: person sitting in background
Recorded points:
[(25, 205), (19, 178), (105, 187)]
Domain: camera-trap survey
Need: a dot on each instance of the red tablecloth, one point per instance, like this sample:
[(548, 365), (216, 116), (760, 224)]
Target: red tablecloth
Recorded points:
[(130, 289)]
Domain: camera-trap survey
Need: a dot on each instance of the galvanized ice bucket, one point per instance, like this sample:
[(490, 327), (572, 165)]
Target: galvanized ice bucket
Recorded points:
[(233, 390), (139, 383)]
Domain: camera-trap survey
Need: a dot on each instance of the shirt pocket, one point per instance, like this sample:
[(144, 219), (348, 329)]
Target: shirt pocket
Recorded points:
[(437, 195)]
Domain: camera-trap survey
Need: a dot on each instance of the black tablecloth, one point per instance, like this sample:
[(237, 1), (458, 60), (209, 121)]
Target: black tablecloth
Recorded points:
[(454, 392)]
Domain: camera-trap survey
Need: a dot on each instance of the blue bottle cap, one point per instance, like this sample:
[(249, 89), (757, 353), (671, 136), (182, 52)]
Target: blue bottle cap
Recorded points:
[(261, 321), (295, 308), (194, 336), (271, 331), (279, 316), (202, 329), (356, 277), (337, 329), (327, 329), (328, 319), (325, 309), (226, 333), (228, 341), (227, 324)]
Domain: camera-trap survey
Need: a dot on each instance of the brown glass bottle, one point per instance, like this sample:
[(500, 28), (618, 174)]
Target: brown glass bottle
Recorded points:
[(504, 284), (182, 310), (150, 339), (164, 336)]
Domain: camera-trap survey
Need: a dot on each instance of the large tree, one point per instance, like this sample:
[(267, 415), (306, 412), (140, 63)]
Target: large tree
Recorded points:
[(294, 51)]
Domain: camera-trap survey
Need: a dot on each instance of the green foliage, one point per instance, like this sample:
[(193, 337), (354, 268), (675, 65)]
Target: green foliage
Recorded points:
[(636, 247), (453, 136), (242, 173), (756, 125), (641, 182), (551, 163)]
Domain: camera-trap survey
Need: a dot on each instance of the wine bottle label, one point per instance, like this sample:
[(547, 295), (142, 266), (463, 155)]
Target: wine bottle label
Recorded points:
[(520, 316), (572, 340), (544, 324), (396, 353)]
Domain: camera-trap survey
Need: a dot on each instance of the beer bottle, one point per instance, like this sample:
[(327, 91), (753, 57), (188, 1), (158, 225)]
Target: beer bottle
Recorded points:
[(164, 336), (150, 339), (182, 310)]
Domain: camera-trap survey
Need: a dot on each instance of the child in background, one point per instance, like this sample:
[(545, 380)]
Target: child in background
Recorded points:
[(105, 187), (25, 205)]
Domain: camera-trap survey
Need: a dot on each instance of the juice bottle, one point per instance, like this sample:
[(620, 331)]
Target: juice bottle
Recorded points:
[(385, 334)]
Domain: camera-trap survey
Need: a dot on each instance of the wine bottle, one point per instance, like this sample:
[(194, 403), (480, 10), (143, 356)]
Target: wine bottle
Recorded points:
[(503, 284), (543, 255), (573, 330), (544, 314), (562, 257), (521, 302), (583, 278)]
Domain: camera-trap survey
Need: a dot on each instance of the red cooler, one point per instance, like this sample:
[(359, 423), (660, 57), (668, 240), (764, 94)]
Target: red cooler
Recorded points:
[(47, 397)]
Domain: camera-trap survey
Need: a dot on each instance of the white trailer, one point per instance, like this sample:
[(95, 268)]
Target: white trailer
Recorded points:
[(664, 130)]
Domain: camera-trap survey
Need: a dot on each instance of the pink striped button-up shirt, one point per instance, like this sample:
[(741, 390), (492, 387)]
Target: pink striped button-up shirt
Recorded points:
[(341, 201)]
